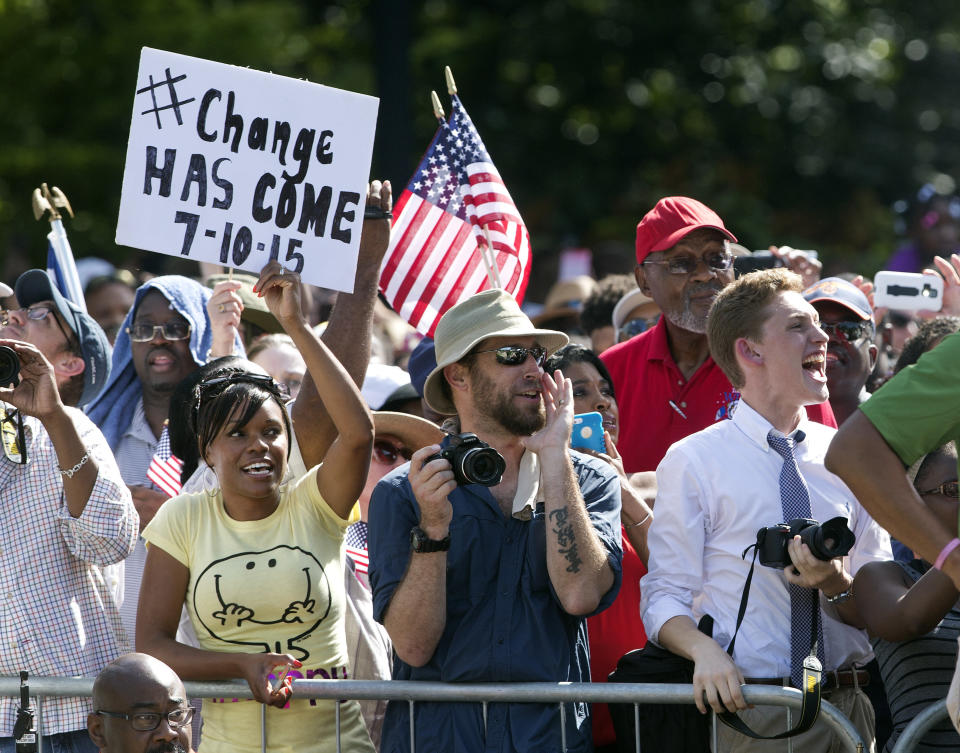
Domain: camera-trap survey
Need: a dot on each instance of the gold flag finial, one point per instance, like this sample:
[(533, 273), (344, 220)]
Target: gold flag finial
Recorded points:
[(437, 107), (47, 200), (451, 84)]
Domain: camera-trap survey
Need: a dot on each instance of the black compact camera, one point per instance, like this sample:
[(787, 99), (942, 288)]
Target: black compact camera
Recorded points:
[(826, 540), (473, 460), (9, 365), (757, 260)]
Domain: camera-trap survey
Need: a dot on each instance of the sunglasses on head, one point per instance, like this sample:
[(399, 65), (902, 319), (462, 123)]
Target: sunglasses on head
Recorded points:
[(14, 438), (514, 355), (387, 453), (947, 489), (847, 331)]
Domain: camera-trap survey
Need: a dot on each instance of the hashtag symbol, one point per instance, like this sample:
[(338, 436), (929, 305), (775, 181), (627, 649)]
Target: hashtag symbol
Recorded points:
[(175, 103)]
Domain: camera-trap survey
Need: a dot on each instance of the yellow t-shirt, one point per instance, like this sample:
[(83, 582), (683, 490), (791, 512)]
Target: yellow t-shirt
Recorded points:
[(270, 585)]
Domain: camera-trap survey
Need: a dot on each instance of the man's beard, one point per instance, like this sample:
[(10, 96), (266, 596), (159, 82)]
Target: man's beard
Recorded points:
[(686, 318), (490, 401)]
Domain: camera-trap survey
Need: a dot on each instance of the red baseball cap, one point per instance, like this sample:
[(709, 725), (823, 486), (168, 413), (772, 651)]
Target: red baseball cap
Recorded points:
[(670, 220)]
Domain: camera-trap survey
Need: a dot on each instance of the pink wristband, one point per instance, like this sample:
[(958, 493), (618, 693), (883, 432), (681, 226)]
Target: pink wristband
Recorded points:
[(945, 552)]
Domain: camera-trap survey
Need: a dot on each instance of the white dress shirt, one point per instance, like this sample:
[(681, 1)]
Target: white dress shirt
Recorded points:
[(715, 490)]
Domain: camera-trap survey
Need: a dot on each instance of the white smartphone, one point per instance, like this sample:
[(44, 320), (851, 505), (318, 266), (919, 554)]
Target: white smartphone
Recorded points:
[(908, 291)]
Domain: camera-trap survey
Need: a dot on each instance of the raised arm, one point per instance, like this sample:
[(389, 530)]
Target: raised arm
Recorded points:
[(349, 331), (576, 558), (417, 613), (165, 580), (875, 474), (342, 476)]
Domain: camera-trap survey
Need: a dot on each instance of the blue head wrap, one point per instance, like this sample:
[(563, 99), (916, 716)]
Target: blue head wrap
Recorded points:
[(113, 408)]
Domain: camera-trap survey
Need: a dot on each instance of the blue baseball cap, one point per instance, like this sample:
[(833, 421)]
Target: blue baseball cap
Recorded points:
[(838, 290), (422, 361), (34, 286)]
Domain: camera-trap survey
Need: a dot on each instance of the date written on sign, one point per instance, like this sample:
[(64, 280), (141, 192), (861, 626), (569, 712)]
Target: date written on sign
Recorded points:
[(236, 243)]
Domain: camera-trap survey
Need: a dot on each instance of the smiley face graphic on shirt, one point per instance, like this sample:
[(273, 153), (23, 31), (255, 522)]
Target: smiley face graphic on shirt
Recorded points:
[(270, 600)]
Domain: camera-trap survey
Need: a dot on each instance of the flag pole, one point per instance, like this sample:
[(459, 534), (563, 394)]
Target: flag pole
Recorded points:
[(65, 268), (486, 250)]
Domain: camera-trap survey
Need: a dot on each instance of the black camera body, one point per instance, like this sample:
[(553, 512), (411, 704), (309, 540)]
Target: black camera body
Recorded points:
[(473, 460), (9, 365), (826, 540)]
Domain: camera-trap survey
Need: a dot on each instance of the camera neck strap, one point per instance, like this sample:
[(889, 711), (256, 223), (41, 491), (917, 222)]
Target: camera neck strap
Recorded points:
[(812, 670)]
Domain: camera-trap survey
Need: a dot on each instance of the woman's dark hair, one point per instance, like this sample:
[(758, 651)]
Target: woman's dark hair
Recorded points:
[(202, 404), (574, 353), (928, 332)]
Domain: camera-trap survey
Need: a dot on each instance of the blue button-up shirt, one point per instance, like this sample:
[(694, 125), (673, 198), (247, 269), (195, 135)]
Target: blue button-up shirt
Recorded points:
[(504, 621)]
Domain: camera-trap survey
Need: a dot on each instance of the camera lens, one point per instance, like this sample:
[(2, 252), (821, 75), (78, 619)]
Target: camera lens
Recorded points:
[(483, 466), (9, 365), (828, 540)]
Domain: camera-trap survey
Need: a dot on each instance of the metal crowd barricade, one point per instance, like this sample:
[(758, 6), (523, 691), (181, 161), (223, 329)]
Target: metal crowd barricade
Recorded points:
[(413, 692), (922, 723)]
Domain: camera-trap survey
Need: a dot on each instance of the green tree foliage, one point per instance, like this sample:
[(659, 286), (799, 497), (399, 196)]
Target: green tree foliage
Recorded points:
[(800, 122)]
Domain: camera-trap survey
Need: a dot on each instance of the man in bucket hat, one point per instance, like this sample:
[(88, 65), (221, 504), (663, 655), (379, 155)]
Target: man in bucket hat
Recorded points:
[(65, 513), (479, 583)]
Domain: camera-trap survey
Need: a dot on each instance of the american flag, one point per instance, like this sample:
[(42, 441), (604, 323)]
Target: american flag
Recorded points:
[(165, 467), (455, 208), (357, 546)]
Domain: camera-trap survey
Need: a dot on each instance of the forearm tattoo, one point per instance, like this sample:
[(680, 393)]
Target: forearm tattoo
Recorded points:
[(566, 539)]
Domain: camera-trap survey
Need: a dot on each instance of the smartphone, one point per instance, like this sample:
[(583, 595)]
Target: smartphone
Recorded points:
[(908, 291), (588, 432)]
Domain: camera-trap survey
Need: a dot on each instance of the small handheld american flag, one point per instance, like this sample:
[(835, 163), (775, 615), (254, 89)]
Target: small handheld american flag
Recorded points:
[(455, 209), (165, 467)]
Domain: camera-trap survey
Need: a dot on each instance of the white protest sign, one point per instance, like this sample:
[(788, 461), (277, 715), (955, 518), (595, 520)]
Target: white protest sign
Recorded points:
[(235, 166)]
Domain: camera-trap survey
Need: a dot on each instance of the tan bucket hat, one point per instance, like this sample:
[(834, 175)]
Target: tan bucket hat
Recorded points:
[(492, 313)]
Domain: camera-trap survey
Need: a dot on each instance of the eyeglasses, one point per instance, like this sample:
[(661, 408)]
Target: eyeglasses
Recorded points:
[(172, 331), (849, 332), (14, 439), (37, 313), (949, 489), (514, 355), (635, 327), (387, 453), (147, 721), (687, 265)]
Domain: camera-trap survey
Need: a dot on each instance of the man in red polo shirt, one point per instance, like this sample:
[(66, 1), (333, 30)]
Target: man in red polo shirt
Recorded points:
[(667, 384)]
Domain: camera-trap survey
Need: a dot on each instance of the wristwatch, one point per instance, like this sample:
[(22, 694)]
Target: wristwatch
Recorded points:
[(423, 544)]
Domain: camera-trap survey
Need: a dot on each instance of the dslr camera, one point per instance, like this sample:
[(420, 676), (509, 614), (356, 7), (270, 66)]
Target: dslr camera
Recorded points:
[(473, 460), (826, 540), (9, 365)]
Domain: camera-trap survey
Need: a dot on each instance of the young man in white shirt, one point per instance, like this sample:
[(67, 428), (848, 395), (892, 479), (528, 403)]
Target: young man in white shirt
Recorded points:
[(718, 486)]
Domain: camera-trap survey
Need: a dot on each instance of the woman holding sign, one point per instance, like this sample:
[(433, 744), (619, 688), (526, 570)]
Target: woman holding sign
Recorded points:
[(259, 563)]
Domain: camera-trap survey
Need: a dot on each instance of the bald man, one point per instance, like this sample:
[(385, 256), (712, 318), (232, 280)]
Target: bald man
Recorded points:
[(140, 707)]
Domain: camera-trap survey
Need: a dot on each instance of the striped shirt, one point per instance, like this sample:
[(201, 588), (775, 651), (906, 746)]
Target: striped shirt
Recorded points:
[(917, 673), (57, 616)]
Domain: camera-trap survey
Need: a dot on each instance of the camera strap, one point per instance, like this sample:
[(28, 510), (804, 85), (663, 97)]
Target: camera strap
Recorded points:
[(812, 671)]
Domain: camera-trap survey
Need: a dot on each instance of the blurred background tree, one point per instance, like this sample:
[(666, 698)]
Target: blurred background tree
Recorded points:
[(805, 123)]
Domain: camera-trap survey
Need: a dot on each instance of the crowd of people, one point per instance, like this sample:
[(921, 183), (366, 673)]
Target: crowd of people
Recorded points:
[(239, 484)]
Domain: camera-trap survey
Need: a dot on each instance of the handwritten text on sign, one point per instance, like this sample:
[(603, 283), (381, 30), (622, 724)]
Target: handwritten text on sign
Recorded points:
[(237, 167)]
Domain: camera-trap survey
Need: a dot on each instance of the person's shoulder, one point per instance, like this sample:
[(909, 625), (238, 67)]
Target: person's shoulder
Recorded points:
[(635, 347)]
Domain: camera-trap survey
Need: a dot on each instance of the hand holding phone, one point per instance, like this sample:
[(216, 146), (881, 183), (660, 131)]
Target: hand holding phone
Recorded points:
[(588, 432), (908, 291)]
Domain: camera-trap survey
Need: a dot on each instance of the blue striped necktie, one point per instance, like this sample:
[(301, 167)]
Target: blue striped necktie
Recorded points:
[(795, 499)]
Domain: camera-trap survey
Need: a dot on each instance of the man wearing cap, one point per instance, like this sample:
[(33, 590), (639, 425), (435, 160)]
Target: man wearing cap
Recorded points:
[(846, 316), (64, 511), (492, 584), (667, 384)]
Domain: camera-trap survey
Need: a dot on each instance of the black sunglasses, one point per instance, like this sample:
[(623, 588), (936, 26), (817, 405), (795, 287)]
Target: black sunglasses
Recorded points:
[(847, 331), (387, 453), (949, 489), (514, 355)]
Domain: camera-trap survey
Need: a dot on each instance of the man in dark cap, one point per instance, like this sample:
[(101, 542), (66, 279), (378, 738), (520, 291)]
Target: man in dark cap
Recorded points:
[(65, 513)]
